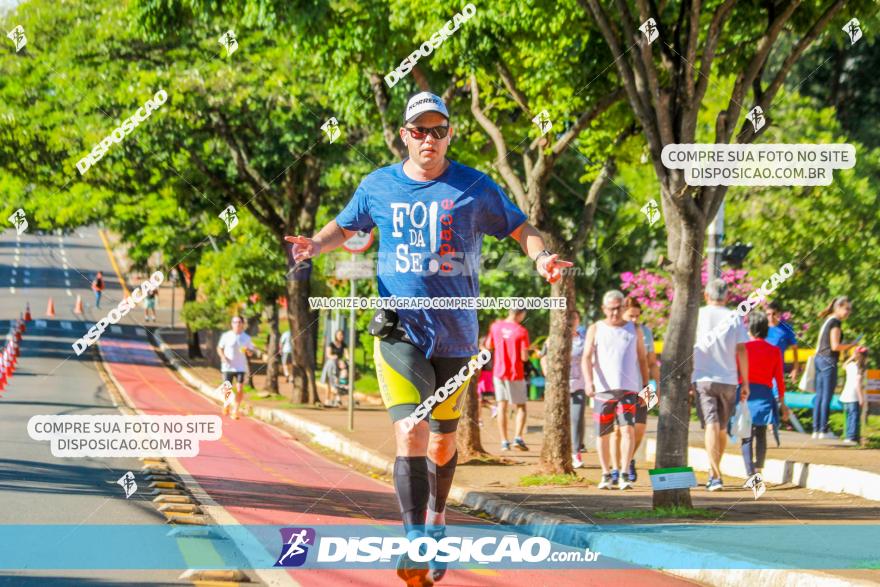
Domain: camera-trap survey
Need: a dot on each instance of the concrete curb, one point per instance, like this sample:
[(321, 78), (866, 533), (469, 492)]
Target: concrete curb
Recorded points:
[(562, 529), (827, 478)]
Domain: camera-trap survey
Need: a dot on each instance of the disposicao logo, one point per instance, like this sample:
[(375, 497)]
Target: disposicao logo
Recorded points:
[(294, 548)]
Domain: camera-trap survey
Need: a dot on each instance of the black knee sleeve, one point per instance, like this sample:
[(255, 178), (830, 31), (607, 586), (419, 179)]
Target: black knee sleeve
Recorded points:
[(411, 485), (440, 482)]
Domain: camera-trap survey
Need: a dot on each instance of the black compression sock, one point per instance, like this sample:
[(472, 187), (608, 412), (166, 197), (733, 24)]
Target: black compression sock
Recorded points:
[(411, 484), (439, 482)]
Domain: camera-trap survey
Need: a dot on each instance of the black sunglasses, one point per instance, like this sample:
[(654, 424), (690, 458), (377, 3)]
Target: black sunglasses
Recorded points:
[(420, 132)]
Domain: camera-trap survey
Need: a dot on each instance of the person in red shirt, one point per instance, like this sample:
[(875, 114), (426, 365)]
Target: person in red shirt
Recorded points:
[(510, 342), (765, 366)]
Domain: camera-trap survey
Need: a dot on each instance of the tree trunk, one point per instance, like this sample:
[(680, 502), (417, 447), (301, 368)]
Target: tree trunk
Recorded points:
[(193, 348), (302, 323), (556, 447), (468, 437), (272, 349), (677, 357)]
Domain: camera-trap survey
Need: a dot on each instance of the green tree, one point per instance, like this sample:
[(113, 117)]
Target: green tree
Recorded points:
[(666, 83)]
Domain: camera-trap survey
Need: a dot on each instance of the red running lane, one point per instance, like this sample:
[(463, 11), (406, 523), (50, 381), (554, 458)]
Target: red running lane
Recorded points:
[(262, 475)]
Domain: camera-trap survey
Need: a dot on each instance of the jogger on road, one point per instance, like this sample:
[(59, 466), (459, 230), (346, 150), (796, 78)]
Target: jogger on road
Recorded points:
[(432, 214)]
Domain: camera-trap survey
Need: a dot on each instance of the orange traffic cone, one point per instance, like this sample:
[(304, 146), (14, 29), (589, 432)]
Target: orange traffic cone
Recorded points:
[(50, 309), (27, 312), (78, 309)]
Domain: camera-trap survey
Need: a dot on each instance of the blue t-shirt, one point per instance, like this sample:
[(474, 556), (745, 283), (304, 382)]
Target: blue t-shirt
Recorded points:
[(430, 241), (781, 336)]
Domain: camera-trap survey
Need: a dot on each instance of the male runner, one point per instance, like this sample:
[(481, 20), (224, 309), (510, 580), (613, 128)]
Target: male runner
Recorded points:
[(432, 213), (234, 346)]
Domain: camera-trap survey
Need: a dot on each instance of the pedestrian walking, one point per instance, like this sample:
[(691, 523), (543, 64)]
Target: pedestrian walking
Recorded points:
[(827, 355), (98, 288), (853, 397), (150, 305), (781, 335), (765, 367), (234, 347), (614, 365), (719, 352), (432, 214), (286, 351), (485, 386), (632, 312), (510, 342)]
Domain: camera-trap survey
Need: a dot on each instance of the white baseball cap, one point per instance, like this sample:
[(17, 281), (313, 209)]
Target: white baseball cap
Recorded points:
[(425, 102)]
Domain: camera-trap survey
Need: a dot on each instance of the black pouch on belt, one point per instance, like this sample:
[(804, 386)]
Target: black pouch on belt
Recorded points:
[(383, 323)]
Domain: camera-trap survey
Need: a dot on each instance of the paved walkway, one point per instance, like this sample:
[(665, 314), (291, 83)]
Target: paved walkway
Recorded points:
[(263, 476)]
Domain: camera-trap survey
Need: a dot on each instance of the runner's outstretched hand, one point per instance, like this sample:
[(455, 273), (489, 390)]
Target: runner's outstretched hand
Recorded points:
[(303, 247), (550, 267)]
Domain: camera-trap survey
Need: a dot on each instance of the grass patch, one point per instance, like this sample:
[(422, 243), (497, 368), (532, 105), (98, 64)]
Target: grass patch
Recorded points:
[(367, 383), (657, 514), (537, 480)]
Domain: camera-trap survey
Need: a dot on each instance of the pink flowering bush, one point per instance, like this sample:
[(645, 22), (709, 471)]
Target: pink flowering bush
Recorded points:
[(653, 290)]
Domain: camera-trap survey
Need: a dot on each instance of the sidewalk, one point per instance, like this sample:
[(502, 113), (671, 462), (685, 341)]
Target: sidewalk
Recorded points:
[(823, 465), (494, 487)]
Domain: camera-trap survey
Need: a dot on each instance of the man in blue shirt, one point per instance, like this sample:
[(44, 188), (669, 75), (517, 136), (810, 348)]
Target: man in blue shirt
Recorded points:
[(431, 213), (781, 335)]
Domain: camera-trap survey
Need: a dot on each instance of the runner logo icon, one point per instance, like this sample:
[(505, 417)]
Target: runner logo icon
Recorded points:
[(294, 548)]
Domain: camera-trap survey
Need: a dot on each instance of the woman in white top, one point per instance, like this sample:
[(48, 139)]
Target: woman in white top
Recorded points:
[(614, 364), (853, 395)]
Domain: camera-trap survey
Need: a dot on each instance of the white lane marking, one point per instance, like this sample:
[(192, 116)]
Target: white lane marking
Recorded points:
[(14, 271), (27, 273), (140, 331), (68, 292), (12, 281), (66, 325), (17, 257), (67, 282), (12, 290), (27, 281), (41, 324), (116, 329)]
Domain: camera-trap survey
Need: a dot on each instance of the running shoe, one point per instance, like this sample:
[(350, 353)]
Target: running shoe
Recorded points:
[(606, 482), (631, 473), (505, 445), (624, 484), (576, 461), (827, 436), (615, 477), (715, 485), (438, 569), (520, 444), (415, 574)]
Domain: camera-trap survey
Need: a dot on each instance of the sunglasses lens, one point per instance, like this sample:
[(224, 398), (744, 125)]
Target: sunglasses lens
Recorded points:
[(420, 132), (439, 132)]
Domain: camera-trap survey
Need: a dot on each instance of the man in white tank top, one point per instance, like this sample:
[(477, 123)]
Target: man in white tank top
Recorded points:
[(615, 366)]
